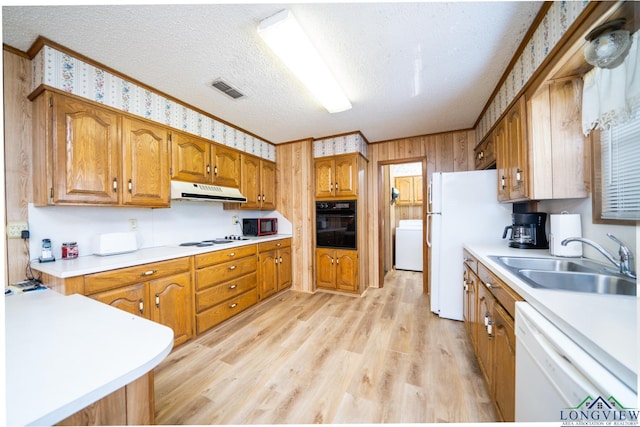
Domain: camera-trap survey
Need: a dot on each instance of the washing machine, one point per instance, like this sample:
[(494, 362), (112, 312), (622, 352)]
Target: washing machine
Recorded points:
[(409, 245)]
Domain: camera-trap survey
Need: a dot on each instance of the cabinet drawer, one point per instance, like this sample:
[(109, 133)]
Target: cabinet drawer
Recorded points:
[(273, 244), (216, 257), (503, 293), (217, 294), (470, 261), (116, 278), (216, 274), (221, 312)]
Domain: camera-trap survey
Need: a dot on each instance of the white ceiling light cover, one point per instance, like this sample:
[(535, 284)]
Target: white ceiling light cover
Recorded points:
[(286, 38)]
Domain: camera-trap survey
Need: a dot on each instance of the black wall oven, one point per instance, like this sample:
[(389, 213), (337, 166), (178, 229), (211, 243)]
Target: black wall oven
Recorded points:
[(336, 224)]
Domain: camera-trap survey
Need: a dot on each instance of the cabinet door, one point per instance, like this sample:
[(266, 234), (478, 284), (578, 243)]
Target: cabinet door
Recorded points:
[(324, 181), (190, 158), (404, 184), (469, 304), (268, 267), (268, 185), (226, 167), (250, 182), (502, 161), (417, 190), (517, 142), (346, 270), (284, 268), (145, 174), (132, 299), (86, 153), (485, 332), (171, 305), (325, 269), (504, 366), (346, 176)]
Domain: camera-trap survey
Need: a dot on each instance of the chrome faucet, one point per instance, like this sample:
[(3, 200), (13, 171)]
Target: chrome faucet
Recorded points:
[(625, 261)]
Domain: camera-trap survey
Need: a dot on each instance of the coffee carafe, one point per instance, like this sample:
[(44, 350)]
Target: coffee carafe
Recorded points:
[(527, 231)]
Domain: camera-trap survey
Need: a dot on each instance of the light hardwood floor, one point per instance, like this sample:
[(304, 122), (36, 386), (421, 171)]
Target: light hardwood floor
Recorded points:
[(302, 358)]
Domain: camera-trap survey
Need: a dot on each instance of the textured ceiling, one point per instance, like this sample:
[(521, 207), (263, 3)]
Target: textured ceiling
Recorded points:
[(409, 68)]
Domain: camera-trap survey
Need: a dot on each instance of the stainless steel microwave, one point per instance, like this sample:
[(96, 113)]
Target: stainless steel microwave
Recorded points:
[(259, 226)]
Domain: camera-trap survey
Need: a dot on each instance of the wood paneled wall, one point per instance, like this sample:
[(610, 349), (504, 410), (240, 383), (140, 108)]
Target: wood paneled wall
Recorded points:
[(443, 152), (296, 202), (17, 156)]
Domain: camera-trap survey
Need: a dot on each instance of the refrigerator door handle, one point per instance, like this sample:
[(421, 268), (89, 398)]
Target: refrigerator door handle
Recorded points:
[(428, 228)]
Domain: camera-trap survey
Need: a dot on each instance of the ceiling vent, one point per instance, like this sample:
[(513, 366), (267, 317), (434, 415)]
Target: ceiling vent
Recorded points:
[(227, 89)]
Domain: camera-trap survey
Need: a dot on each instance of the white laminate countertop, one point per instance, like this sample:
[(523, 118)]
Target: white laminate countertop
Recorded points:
[(64, 353), (89, 264), (606, 326)]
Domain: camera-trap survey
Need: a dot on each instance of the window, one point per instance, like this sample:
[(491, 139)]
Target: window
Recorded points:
[(620, 169)]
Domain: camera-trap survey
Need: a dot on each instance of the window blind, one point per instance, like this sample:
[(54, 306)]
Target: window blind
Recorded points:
[(620, 146)]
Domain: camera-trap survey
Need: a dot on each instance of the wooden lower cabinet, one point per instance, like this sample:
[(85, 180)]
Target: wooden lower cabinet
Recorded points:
[(337, 269), (160, 292), (274, 267), (133, 404), (489, 311), (226, 284)]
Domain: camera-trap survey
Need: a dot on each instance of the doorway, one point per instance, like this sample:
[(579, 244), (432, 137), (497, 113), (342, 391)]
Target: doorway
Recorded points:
[(402, 198)]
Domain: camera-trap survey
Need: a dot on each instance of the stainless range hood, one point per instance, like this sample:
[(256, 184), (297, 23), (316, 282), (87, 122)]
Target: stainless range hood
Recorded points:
[(181, 190)]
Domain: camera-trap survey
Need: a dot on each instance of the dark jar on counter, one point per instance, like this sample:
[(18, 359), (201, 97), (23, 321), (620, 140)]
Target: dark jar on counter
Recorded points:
[(69, 250)]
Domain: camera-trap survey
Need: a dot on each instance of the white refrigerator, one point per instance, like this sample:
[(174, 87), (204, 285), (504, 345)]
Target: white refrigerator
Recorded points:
[(462, 208)]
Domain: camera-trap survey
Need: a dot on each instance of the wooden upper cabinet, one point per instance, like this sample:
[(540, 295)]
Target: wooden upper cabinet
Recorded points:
[(85, 151), (258, 183), (485, 153), (226, 166), (559, 152), (146, 164), (410, 189), (88, 154), (346, 177), (190, 158), (268, 184), (510, 137), (336, 177), (517, 139)]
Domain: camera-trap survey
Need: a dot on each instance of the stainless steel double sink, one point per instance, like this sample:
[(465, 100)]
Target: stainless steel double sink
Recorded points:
[(578, 275)]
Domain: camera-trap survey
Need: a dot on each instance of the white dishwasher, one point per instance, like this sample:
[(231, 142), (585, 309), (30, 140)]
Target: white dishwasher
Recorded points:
[(556, 380), (409, 245)]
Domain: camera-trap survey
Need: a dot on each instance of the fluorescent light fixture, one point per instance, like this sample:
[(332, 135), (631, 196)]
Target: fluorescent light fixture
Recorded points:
[(286, 38)]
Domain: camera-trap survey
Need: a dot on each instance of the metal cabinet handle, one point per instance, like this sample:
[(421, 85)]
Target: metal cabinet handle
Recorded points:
[(278, 244), (336, 186), (280, 260), (234, 305), (233, 286), (231, 254), (259, 197), (141, 305), (149, 272), (276, 260), (233, 267), (503, 183), (519, 175), (130, 186), (157, 300), (115, 184), (215, 170), (208, 169)]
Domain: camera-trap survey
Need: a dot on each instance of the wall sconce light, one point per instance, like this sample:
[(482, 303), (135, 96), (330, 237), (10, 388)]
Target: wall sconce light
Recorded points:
[(608, 44), (286, 38)]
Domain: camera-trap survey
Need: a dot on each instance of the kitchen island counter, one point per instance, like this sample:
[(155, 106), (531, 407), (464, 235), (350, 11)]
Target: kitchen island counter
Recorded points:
[(606, 326), (64, 353), (94, 264)]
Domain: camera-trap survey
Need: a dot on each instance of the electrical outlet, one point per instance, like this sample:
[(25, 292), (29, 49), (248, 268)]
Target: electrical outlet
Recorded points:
[(133, 224), (235, 220), (15, 229)]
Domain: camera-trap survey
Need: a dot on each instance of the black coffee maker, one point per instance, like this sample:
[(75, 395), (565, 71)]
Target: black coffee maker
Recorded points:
[(528, 231)]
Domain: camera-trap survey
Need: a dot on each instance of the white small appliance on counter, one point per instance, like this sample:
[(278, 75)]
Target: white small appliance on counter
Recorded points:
[(114, 243), (563, 226)]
